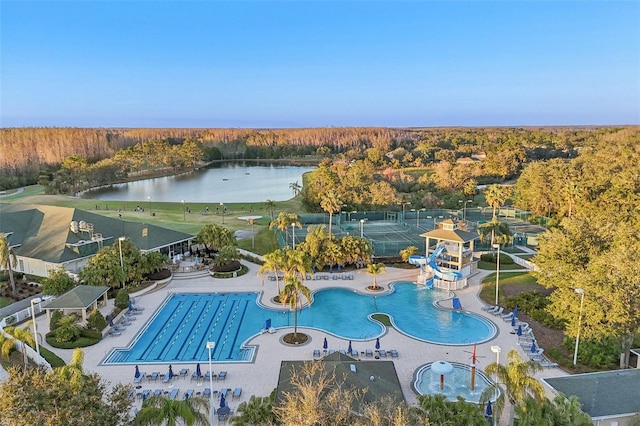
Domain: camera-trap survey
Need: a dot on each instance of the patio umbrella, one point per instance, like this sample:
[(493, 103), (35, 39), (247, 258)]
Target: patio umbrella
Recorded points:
[(110, 321), (222, 401), (137, 372), (349, 350), (170, 372), (513, 321), (519, 332), (533, 347), (198, 372), (377, 343), (489, 411), (325, 345), (515, 312), (130, 305)]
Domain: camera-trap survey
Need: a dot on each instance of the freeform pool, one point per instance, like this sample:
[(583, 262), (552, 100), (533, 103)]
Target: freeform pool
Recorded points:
[(180, 328)]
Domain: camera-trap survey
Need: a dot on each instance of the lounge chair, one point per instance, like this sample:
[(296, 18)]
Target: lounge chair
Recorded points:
[(537, 354), (207, 374), (222, 375), (195, 376), (224, 392), (394, 353), (236, 393), (184, 372), (383, 353), (368, 353), (498, 312), (174, 393), (206, 393), (145, 394), (489, 308), (342, 351), (157, 392), (138, 379), (154, 375), (115, 333), (188, 393), (167, 378), (548, 364), (507, 317), (316, 353)]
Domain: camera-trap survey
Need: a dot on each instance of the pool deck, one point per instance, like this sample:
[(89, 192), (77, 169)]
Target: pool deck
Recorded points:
[(261, 376)]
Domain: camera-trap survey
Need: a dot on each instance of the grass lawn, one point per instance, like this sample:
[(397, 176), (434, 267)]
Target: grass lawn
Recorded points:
[(4, 302), (510, 283), (526, 256), (489, 266)]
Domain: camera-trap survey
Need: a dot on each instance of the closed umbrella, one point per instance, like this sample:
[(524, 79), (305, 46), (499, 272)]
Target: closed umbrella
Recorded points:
[(377, 343), (533, 347), (198, 372), (519, 332), (325, 344), (349, 350), (222, 401), (489, 411), (170, 372), (515, 312), (110, 321), (130, 305), (513, 321), (137, 372)]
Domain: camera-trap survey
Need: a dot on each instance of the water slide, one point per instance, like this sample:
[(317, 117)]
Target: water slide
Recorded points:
[(430, 261)]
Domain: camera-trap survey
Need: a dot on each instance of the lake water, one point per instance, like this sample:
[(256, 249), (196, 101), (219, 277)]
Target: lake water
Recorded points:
[(228, 183)]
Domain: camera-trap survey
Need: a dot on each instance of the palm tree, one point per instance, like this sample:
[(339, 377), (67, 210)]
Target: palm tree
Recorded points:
[(8, 260), (294, 294), (159, 410), (72, 372), (271, 206), (255, 412), (496, 196), (517, 380), (498, 232), (283, 222), (374, 269), (7, 345), (273, 262), (331, 204), (296, 187)]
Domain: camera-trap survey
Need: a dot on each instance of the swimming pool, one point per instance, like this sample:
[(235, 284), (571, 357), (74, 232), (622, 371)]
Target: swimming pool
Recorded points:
[(180, 328)]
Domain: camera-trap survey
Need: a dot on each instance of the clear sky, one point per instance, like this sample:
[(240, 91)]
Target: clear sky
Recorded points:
[(317, 64)]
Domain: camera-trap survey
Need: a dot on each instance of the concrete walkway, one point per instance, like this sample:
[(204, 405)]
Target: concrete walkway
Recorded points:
[(261, 376)]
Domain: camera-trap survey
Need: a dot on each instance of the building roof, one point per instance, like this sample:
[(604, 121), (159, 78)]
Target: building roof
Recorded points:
[(79, 297), (45, 232), (450, 232), (385, 381), (603, 394)]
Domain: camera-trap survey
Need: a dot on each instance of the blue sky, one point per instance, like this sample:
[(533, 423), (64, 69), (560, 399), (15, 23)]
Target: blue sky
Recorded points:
[(316, 64)]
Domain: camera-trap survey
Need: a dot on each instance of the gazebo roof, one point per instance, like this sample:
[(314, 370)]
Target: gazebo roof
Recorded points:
[(456, 235), (385, 378), (79, 297)]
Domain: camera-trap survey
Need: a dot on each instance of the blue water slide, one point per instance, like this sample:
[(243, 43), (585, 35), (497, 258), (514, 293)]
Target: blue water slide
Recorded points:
[(433, 265)]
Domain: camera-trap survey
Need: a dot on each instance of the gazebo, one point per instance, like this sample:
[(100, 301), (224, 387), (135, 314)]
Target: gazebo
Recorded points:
[(458, 244), (79, 299)]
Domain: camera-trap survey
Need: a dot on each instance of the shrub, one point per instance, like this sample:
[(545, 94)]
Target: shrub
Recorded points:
[(534, 304), (595, 353), (54, 322), (96, 321), (122, 299), (68, 329)]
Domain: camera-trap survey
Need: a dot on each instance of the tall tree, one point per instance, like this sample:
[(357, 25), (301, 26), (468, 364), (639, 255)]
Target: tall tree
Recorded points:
[(294, 294), (273, 263), (496, 196), (284, 221), (375, 269), (58, 282), (495, 231), (8, 260), (330, 203), (271, 206)]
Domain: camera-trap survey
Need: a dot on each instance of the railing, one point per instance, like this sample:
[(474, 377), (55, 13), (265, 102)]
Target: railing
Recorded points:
[(525, 263)]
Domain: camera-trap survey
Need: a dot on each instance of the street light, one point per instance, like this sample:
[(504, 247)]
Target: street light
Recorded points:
[(183, 211), (120, 240), (253, 236), (418, 215), (210, 346), (293, 235), (149, 198), (496, 350), (434, 220), (35, 327), (222, 208), (575, 352), (404, 204), (464, 210), (497, 246), (361, 228)]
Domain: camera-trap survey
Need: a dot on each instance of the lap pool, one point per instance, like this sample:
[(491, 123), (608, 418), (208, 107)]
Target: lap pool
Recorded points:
[(180, 328)]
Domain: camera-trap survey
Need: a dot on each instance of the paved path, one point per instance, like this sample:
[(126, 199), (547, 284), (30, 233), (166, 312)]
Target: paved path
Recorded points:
[(261, 376)]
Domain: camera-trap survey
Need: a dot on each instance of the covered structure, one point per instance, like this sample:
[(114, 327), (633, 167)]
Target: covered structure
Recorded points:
[(375, 378), (79, 299), (609, 397), (458, 244)]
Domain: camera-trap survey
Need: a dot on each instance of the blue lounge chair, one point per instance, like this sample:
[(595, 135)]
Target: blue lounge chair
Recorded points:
[(154, 375), (222, 375), (145, 394), (139, 378), (184, 372), (224, 392), (394, 353), (316, 353), (174, 393), (207, 392), (383, 353), (157, 392), (195, 376), (236, 393), (369, 352), (188, 393)]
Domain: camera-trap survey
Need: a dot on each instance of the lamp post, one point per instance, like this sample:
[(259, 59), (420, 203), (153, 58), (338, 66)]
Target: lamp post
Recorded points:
[(149, 198), (496, 350), (253, 236), (404, 204), (222, 208), (120, 240), (35, 327), (418, 216), (361, 228), (575, 352), (293, 235), (497, 246), (184, 217), (464, 210), (210, 346)]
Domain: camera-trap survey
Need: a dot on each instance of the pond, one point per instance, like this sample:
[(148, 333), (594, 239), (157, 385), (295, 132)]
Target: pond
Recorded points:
[(227, 182)]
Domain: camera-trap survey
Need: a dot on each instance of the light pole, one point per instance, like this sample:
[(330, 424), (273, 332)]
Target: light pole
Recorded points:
[(293, 235), (120, 240), (253, 237), (464, 210), (210, 346), (496, 350), (35, 327), (404, 204), (575, 352), (222, 208), (149, 198), (184, 217), (361, 228), (418, 216), (497, 246)]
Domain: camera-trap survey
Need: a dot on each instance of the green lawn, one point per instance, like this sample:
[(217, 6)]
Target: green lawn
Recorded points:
[(488, 292), (489, 266), (4, 302)]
